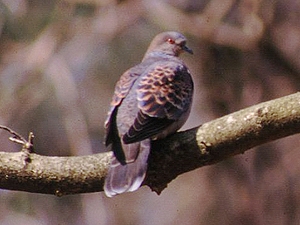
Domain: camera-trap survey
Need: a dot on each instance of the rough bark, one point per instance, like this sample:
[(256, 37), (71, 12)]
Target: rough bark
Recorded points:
[(182, 152)]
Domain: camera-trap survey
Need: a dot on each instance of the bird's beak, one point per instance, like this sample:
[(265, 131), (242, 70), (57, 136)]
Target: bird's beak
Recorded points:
[(187, 49)]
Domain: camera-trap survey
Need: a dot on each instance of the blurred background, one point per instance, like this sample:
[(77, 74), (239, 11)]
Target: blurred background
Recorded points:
[(59, 61)]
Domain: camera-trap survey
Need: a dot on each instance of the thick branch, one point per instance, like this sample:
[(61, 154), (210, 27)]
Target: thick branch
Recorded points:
[(184, 151)]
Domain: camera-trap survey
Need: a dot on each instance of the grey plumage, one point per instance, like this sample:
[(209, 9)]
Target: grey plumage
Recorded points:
[(151, 100)]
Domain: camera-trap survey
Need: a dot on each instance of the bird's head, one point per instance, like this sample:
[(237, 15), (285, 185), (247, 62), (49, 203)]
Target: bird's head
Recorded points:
[(170, 43)]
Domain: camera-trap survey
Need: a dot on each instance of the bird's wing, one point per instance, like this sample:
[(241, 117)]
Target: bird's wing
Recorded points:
[(122, 88), (164, 94)]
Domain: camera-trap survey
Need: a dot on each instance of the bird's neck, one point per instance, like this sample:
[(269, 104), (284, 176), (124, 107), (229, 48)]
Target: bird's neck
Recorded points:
[(157, 55)]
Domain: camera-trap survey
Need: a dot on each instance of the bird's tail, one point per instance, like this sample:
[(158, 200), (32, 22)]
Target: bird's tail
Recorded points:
[(128, 177)]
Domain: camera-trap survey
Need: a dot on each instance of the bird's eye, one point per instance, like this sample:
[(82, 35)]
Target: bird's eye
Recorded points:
[(171, 41)]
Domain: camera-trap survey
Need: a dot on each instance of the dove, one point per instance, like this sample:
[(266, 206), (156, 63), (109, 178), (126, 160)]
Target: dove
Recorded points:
[(151, 101)]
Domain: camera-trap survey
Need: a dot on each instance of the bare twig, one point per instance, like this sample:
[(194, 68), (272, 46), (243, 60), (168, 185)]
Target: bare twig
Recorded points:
[(19, 139)]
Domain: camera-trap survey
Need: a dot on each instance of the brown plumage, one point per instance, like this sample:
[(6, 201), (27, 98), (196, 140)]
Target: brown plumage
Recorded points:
[(151, 100)]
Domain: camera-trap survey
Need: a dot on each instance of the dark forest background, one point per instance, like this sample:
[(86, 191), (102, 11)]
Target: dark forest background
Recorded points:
[(59, 61)]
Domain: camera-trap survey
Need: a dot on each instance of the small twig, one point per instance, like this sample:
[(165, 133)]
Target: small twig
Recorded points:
[(17, 136), (29, 144), (19, 139)]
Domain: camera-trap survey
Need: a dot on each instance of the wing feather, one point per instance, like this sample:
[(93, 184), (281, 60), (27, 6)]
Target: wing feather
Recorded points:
[(163, 95), (122, 88)]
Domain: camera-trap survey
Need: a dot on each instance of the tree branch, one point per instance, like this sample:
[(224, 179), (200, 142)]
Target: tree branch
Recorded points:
[(182, 152)]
